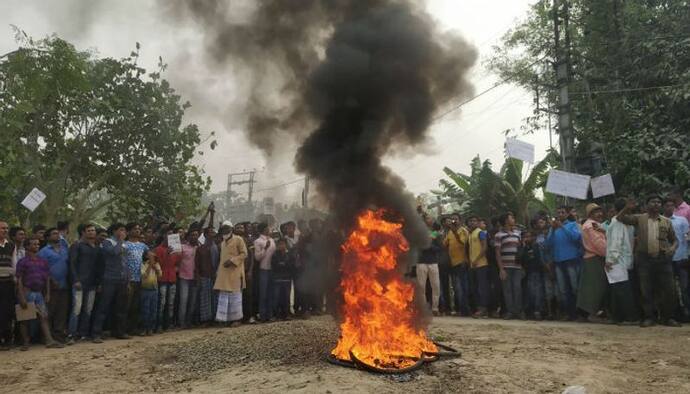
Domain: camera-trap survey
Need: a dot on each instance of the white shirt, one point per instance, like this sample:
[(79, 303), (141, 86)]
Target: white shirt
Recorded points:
[(263, 254)]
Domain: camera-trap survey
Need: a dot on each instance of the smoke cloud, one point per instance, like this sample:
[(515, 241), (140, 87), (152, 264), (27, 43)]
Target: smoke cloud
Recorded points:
[(350, 80)]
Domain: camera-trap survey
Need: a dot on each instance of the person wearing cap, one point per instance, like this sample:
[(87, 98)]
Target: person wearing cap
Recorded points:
[(593, 289), (654, 250)]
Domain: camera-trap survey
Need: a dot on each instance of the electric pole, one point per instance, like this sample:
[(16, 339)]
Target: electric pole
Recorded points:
[(231, 182), (305, 192), (562, 66)]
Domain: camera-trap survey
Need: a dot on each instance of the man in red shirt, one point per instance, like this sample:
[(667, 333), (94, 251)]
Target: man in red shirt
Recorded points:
[(169, 262)]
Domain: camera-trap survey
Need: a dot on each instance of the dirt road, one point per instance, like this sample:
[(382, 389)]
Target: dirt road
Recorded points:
[(498, 356)]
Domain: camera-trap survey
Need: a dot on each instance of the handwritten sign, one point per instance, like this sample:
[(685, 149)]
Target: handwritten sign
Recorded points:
[(602, 186), (618, 273), (33, 199), (174, 242), (520, 150), (568, 184)]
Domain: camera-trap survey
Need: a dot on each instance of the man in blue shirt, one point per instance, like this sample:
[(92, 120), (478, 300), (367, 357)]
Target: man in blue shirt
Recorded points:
[(134, 252), (565, 243), (57, 256), (680, 257)]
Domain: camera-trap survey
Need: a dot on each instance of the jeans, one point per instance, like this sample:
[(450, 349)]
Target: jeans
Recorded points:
[(82, 307), (113, 296), (568, 280), (535, 291), (187, 307), (167, 304), (58, 309), (460, 278), (481, 287), (281, 296), (512, 291), (148, 308), (429, 271), (265, 295), (656, 286)]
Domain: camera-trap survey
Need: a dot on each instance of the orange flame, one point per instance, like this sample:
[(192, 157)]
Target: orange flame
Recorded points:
[(379, 317)]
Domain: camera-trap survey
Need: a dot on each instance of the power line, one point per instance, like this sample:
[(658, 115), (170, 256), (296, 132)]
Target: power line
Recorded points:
[(469, 100), (281, 185), (624, 90)]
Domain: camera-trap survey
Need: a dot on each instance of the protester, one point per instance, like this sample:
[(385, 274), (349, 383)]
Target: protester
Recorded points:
[(541, 227), (114, 296), (680, 258), (7, 291), (57, 256), (249, 284), (456, 242), (654, 251), (33, 287), (85, 272), (592, 293), (187, 284), (507, 242), (427, 265), (230, 278), (444, 302), (101, 235), (531, 260), (264, 247), (681, 207), (135, 251), (63, 229), (17, 237), (150, 272), (282, 267), (619, 252), (479, 265), (565, 243), (205, 273), (167, 283)]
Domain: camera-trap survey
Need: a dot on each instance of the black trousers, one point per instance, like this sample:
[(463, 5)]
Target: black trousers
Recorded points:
[(656, 286), (113, 300), (7, 301), (58, 311), (133, 302)]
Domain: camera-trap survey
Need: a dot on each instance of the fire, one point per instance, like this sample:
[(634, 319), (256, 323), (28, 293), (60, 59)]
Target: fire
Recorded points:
[(379, 317)]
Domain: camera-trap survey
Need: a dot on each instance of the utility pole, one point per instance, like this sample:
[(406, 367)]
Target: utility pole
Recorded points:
[(305, 192), (562, 66), (231, 182)]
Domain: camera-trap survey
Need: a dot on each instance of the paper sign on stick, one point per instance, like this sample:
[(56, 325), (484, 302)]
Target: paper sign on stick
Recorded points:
[(174, 242), (33, 199), (602, 186), (520, 150), (568, 184)]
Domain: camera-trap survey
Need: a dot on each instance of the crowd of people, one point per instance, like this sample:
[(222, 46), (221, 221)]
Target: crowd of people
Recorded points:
[(621, 264), (127, 280)]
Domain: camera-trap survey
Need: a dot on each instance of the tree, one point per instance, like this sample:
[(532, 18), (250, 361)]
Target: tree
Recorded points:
[(629, 85), (99, 136), (488, 194)]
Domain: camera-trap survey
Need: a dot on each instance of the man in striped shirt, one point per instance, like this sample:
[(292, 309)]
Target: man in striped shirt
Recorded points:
[(507, 242)]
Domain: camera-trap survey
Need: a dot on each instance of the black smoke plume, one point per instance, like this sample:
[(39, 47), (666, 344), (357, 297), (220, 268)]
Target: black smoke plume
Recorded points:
[(352, 78)]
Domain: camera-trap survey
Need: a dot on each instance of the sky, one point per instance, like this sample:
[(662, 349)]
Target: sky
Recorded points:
[(111, 28)]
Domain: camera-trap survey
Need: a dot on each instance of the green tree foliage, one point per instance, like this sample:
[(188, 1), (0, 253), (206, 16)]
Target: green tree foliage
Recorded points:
[(488, 194), (630, 84), (99, 136)]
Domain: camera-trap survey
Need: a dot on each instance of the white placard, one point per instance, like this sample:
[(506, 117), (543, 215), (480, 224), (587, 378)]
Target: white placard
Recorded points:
[(520, 150), (618, 273), (33, 199), (602, 186), (174, 242), (568, 184)]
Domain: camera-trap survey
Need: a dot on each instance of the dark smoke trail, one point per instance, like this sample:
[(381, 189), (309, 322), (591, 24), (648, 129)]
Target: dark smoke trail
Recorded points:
[(363, 75)]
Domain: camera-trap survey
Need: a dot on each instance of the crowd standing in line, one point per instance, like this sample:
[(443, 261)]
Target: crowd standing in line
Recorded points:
[(127, 280), (620, 265)]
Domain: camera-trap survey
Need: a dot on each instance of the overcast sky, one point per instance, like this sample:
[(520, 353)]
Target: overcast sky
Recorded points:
[(113, 27)]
